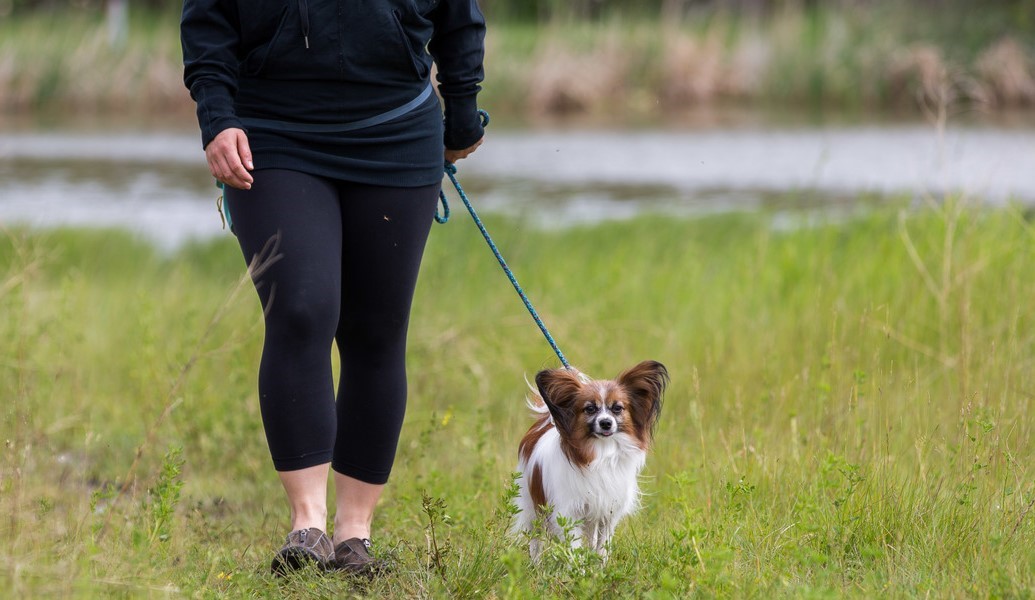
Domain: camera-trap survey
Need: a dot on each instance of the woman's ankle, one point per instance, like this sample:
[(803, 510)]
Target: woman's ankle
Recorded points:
[(308, 524), (345, 530), (307, 496)]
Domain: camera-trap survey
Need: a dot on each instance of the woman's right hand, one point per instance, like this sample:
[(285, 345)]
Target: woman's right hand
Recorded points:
[(454, 155), (230, 158)]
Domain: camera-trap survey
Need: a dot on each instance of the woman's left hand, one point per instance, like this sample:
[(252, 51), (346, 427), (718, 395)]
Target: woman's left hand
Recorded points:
[(454, 155)]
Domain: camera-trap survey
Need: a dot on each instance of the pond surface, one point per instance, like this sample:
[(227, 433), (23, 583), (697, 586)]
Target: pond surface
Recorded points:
[(155, 181)]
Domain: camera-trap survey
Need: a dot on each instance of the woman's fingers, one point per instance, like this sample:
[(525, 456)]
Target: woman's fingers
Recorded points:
[(230, 158), (245, 152), (454, 155)]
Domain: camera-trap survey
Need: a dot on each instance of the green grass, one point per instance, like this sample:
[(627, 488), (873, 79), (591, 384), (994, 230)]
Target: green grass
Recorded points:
[(850, 412)]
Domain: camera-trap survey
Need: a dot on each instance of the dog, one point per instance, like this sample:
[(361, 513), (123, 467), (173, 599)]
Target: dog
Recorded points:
[(582, 457)]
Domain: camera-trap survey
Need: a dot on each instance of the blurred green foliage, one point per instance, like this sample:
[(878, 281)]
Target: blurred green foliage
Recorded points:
[(551, 57), (1020, 12)]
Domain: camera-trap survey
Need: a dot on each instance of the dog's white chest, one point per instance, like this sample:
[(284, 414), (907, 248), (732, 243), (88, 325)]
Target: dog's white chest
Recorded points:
[(606, 488)]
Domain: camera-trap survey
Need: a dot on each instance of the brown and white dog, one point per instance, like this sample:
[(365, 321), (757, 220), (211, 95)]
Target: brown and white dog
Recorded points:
[(582, 457)]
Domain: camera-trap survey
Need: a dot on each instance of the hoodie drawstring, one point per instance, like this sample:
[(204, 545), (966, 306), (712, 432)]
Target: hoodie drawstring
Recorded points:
[(303, 10)]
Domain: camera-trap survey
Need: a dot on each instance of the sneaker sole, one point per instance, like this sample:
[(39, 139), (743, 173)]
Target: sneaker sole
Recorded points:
[(294, 559)]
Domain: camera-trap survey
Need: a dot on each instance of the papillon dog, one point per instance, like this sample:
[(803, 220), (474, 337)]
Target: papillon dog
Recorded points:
[(581, 458)]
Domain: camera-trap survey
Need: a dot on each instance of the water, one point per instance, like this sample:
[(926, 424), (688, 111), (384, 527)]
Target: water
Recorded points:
[(156, 183)]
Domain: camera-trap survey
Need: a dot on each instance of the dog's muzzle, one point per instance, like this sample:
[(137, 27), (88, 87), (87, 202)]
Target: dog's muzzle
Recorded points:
[(604, 427)]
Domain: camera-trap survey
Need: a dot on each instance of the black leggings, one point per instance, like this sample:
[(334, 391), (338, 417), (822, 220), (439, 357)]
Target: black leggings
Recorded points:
[(344, 266)]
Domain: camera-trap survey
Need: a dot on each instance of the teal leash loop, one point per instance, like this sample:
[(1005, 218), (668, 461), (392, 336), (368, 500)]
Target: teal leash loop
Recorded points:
[(450, 170), (444, 217)]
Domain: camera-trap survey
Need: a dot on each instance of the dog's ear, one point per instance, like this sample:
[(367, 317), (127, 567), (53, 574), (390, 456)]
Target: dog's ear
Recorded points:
[(558, 388), (645, 383)]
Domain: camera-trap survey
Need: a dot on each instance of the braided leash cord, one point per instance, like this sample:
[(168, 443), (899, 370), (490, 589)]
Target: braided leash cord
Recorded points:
[(450, 170)]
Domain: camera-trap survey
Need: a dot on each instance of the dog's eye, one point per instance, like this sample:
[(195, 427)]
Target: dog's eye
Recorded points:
[(617, 408), (591, 409)]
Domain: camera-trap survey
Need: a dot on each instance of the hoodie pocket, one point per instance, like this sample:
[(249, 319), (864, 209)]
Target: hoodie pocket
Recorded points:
[(415, 33), (255, 61)]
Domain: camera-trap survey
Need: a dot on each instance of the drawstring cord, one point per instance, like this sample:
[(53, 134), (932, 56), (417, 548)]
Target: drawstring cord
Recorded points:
[(303, 10), (224, 210), (450, 170)]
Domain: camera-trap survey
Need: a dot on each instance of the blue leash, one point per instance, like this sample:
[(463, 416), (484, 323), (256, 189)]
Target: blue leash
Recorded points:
[(450, 170)]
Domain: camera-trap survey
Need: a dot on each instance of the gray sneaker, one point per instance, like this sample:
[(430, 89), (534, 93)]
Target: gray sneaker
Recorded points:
[(304, 547)]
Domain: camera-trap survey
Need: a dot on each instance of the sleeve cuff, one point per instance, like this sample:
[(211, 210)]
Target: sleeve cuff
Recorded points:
[(463, 126), (215, 111)]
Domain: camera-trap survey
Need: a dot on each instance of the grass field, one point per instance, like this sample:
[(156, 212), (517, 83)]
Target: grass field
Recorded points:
[(850, 412)]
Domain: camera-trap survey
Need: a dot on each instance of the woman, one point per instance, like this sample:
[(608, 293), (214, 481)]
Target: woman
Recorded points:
[(320, 119)]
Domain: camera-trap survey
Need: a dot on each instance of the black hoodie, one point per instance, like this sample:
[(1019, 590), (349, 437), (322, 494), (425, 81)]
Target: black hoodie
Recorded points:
[(299, 75)]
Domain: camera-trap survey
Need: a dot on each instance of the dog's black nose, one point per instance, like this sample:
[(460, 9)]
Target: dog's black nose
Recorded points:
[(606, 424)]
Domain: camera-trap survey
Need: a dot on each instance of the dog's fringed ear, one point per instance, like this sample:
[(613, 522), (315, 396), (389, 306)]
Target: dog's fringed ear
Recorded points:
[(558, 388), (646, 384)]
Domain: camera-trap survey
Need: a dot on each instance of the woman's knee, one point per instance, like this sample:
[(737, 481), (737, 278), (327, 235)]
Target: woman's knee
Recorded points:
[(300, 317), (382, 334)]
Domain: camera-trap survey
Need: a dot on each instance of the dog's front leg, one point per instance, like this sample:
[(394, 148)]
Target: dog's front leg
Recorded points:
[(605, 530), (570, 529), (591, 533), (535, 548)]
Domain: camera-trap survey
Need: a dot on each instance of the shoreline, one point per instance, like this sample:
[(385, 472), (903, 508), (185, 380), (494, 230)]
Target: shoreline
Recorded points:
[(156, 183)]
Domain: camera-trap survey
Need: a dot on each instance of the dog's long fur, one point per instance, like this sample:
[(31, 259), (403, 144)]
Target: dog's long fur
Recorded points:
[(582, 456)]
